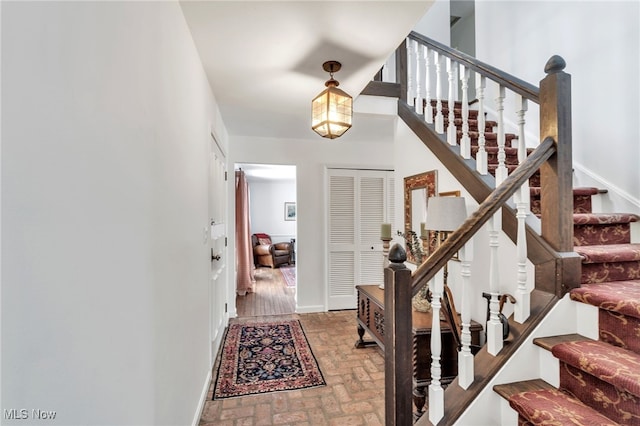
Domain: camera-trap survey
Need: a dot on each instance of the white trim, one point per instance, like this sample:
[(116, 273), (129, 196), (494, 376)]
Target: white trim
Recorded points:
[(1, 340), (218, 145), (203, 398), (309, 309)]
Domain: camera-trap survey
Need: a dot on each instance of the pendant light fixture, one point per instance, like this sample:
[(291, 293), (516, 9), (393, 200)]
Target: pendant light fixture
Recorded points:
[(331, 110)]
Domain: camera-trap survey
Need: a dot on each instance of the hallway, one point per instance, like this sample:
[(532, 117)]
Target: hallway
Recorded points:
[(354, 394), (271, 296)]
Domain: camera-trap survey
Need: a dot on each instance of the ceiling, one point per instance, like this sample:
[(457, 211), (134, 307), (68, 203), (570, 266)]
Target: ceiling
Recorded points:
[(264, 59), (267, 172)]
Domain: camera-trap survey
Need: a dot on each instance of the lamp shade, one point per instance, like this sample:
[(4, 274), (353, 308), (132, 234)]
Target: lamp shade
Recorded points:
[(445, 213), (331, 110)]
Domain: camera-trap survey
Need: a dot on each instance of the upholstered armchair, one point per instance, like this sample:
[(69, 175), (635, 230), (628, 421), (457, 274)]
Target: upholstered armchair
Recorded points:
[(266, 253)]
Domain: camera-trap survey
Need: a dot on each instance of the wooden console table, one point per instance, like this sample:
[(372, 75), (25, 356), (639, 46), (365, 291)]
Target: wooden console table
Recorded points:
[(371, 320)]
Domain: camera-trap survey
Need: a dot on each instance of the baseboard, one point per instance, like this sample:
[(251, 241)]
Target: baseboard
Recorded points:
[(310, 309), (203, 399)]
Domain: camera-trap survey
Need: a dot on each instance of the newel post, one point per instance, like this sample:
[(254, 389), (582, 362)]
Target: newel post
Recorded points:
[(398, 365), (556, 174)]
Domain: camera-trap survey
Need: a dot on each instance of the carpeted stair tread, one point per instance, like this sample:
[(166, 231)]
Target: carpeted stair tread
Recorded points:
[(616, 366), (581, 199), (609, 253), (619, 330), (617, 296), (602, 229), (604, 218), (536, 190), (507, 390), (550, 341), (510, 168), (507, 149), (598, 273), (457, 111), (491, 136), (554, 407), (473, 125)]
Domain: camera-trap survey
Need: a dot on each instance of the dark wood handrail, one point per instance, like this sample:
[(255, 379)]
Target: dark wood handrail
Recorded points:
[(485, 211), (509, 81)]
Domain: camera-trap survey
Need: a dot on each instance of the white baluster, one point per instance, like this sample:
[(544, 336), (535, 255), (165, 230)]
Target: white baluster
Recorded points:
[(465, 357), (436, 392), (465, 141), (451, 127), (522, 198), (501, 171), (411, 60), (419, 78), (521, 104), (439, 117), (494, 327), (481, 156), (428, 113)]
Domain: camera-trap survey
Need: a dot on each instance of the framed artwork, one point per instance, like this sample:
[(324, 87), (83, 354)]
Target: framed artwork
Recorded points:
[(290, 211), (417, 189)]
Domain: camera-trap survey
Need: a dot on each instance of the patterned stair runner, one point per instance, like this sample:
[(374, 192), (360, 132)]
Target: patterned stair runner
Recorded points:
[(599, 380)]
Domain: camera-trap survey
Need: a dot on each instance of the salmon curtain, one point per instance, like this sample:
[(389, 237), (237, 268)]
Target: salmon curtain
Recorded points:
[(244, 252)]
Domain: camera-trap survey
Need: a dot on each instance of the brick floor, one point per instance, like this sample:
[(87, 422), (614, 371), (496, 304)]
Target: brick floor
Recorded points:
[(354, 394)]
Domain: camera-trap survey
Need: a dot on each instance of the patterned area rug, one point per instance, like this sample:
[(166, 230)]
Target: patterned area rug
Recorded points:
[(265, 357), (289, 275)]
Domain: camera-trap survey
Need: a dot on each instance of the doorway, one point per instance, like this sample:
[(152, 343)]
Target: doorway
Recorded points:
[(272, 212)]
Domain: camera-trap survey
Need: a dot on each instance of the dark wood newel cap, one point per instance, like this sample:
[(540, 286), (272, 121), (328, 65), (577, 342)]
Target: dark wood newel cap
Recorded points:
[(397, 254), (554, 64)]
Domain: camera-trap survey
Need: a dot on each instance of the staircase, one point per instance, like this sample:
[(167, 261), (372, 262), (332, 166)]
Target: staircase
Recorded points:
[(599, 380)]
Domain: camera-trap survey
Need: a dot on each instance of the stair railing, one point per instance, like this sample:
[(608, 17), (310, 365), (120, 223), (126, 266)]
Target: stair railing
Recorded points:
[(552, 157)]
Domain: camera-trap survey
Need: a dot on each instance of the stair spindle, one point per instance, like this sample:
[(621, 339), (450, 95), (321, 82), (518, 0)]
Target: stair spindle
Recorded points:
[(436, 392), (411, 67), (465, 141), (419, 106), (481, 156), (465, 357), (451, 125), (439, 117), (494, 326), (428, 113), (501, 171), (522, 199)]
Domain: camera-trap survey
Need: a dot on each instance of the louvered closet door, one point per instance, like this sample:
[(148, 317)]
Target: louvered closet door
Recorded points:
[(358, 201)]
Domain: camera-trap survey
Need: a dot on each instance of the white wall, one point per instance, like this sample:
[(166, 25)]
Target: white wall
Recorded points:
[(603, 57), (435, 23), (267, 200), (105, 140), (463, 35)]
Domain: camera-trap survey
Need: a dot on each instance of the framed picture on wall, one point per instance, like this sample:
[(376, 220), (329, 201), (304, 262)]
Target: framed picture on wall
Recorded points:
[(289, 211)]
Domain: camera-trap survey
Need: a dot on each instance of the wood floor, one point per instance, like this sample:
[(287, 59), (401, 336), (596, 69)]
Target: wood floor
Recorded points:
[(272, 296)]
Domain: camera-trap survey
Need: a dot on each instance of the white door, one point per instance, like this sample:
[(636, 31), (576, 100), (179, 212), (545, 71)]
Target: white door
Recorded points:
[(359, 201), (218, 246)]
